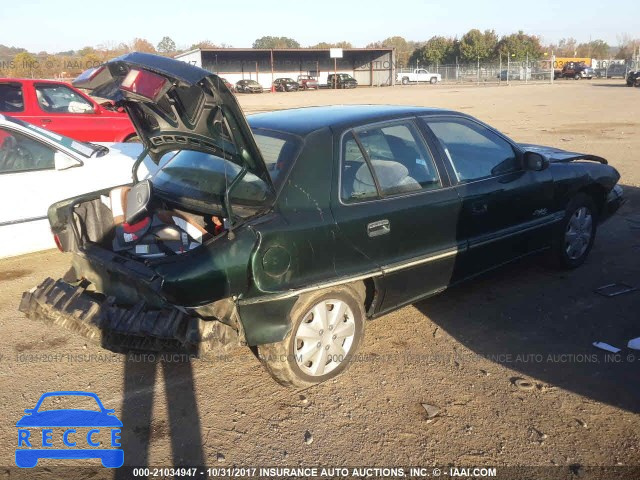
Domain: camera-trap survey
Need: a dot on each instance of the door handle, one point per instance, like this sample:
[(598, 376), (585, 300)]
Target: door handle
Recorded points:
[(46, 120), (479, 208), (381, 227)]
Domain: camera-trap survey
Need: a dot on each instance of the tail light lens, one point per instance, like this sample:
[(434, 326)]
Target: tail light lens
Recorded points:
[(56, 239), (146, 84)]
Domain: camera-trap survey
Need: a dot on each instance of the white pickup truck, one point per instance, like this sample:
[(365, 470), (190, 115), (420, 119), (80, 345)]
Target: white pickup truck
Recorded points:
[(418, 75)]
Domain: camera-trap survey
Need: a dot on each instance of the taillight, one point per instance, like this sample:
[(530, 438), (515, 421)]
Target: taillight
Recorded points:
[(56, 239), (145, 84)]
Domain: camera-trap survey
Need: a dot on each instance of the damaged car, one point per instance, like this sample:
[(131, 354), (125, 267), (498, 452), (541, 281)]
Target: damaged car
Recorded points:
[(286, 231)]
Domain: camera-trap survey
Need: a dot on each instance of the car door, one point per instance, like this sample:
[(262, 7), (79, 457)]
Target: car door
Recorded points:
[(506, 208), (65, 111), (396, 208), (27, 180)]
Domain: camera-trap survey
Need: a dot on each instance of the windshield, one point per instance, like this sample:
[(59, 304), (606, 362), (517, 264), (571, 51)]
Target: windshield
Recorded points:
[(200, 179), (81, 148)]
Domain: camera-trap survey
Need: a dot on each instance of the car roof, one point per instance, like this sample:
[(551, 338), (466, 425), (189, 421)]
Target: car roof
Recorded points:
[(31, 80), (302, 121)]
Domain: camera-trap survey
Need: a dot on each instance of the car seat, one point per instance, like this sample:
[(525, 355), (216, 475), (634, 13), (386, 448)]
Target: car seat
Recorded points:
[(392, 176)]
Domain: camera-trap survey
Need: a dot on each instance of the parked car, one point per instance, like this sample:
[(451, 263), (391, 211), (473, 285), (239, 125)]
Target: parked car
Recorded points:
[(612, 71), (341, 80), (576, 70), (633, 79), (248, 86), (63, 109), (307, 82), (285, 85), (39, 167), (326, 217), (418, 75), (36, 418), (229, 85)]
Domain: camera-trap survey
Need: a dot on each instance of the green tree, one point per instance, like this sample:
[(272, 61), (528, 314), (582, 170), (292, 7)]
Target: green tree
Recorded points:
[(275, 42), (594, 49), (166, 45), (343, 44), (476, 44), (25, 65), (402, 46), (519, 45), (86, 51), (437, 50)]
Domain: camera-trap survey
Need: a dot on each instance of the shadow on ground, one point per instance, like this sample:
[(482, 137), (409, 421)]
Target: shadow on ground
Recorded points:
[(550, 318)]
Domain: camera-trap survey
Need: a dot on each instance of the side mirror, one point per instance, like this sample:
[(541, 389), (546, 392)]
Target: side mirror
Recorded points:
[(63, 161), (535, 161)]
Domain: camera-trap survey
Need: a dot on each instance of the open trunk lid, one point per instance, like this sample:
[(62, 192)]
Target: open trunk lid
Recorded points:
[(177, 106)]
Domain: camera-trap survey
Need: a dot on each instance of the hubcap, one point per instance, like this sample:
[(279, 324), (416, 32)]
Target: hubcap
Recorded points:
[(578, 233), (324, 337)]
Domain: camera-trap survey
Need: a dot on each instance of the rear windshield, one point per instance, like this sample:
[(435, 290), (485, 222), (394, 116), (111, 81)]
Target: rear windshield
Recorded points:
[(200, 179)]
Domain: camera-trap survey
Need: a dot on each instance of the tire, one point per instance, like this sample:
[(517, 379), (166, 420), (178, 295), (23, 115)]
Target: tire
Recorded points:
[(405, 80), (284, 359), (579, 223), (433, 80), (576, 76)]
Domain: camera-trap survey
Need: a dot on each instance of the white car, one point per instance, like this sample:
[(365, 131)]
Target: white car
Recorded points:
[(38, 168), (418, 75)]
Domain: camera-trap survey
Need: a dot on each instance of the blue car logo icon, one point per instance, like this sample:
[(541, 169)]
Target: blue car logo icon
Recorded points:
[(36, 444)]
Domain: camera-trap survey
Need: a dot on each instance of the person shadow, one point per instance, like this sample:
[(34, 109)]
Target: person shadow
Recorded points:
[(141, 427)]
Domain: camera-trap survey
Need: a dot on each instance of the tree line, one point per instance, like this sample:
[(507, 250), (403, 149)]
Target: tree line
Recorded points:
[(473, 46)]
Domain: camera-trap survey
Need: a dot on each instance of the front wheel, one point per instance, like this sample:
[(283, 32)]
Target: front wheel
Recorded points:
[(433, 80), (577, 76), (576, 233), (405, 80), (327, 329)]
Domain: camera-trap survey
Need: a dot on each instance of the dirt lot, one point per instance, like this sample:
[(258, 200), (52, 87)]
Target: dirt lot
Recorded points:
[(460, 351)]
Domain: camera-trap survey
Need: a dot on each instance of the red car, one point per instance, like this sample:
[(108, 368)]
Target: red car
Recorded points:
[(61, 108)]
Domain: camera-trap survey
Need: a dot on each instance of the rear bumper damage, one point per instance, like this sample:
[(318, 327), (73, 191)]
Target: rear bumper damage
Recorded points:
[(122, 329)]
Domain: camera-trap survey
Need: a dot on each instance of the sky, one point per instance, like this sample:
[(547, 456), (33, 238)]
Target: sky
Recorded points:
[(60, 25)]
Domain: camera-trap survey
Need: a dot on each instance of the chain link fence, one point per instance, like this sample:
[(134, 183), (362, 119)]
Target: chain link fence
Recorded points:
[(533, 71)]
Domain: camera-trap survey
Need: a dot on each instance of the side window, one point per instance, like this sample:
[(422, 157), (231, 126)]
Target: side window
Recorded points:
[(20, 153), (400, 160), (11, 99), (61, 99), (474, 151), (357, 181)]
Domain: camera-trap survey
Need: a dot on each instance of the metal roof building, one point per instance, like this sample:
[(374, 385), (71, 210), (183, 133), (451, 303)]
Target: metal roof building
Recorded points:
[(369, 66)]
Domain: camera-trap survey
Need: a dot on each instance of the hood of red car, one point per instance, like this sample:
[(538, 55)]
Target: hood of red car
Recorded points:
[(177, 106)]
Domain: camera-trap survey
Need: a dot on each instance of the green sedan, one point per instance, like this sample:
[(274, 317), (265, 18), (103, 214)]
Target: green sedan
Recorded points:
[(287, 231)]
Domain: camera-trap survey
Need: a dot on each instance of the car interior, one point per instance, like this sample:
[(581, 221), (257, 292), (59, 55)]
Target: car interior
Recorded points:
[(474, 153), (20, 153), (400, 165), (11, 98), (60, 99)]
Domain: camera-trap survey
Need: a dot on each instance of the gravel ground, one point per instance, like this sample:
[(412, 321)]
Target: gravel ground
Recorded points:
[(462, 351)]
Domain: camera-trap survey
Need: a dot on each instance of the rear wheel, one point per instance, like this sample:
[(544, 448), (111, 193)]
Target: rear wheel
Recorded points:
[(577, 76), (405, 80), (327, 329), (433, 80), (574, 238)]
